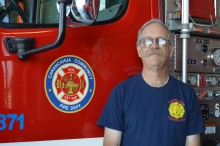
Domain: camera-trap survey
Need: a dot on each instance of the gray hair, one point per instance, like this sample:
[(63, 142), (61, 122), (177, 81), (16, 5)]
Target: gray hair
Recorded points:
[(152, 21)]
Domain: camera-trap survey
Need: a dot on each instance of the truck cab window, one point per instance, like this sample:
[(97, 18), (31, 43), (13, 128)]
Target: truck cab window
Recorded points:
[(47, 11)]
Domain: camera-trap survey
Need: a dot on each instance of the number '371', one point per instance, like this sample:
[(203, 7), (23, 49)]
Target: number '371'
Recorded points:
[(13, 118)]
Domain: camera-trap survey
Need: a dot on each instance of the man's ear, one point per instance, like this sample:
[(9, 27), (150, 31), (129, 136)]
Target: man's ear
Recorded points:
[(138, 51), (171, 50)]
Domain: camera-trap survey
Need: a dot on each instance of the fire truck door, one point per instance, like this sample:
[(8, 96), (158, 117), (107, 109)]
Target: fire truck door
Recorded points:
[(59, 93)]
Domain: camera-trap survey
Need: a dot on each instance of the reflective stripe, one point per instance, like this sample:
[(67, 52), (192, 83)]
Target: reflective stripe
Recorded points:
[(80, 142)]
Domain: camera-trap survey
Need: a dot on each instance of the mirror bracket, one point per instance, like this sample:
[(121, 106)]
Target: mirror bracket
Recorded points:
[(17, 45)]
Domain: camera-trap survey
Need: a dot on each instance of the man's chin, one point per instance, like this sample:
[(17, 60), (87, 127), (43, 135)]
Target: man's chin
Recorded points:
[(155, 59)]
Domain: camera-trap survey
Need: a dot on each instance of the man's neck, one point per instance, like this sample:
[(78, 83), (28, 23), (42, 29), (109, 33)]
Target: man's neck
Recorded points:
[(155, 79)]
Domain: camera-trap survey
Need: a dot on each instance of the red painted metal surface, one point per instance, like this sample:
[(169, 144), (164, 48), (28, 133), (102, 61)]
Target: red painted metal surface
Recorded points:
[(155, 13), (109, 49), (197, 7)]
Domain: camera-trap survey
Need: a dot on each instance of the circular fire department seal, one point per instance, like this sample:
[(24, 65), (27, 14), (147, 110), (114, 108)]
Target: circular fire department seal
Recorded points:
[(69, 84), (176, 110)]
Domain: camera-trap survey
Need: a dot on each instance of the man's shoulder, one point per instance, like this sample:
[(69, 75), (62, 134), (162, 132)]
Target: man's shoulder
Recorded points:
[(131, 79), (128, 82), (179, 84)]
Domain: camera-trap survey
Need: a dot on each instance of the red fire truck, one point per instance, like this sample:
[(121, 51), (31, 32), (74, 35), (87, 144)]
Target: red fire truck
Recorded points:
[(60, 60)]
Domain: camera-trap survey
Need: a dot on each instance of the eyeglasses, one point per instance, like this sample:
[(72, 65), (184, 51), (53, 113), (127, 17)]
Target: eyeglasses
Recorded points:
[(148, 41)]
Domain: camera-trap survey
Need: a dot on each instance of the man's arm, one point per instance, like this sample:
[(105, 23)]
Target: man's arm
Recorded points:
[(112, 137), (193, 140)]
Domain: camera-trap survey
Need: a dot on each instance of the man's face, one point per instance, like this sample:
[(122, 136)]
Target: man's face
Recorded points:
[(97, 58), (155, 52)]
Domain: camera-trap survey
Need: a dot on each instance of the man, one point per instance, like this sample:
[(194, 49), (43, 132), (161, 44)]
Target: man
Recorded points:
[(152, 108)]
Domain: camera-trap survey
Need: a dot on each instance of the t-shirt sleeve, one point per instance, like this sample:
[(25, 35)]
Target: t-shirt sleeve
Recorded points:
[(112, 114), (195, 119)]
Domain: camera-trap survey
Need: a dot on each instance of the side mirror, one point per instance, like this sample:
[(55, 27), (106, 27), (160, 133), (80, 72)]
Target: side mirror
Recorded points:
[(82, 12), (71, 12)]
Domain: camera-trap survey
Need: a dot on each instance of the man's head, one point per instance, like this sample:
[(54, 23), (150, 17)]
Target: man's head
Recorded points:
[(153, 21), (154, 44)]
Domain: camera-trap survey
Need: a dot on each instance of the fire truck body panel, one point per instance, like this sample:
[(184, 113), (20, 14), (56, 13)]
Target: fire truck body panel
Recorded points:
[(103, 55)]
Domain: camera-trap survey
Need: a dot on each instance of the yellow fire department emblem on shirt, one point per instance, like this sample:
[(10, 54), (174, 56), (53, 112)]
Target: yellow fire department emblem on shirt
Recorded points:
[(176, 110)]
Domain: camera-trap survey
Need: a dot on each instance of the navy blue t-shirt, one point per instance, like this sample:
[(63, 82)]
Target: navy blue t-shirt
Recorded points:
[(150, 116)]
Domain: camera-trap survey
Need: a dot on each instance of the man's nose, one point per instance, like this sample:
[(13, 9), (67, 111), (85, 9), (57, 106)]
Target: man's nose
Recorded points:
[(154, 44)]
